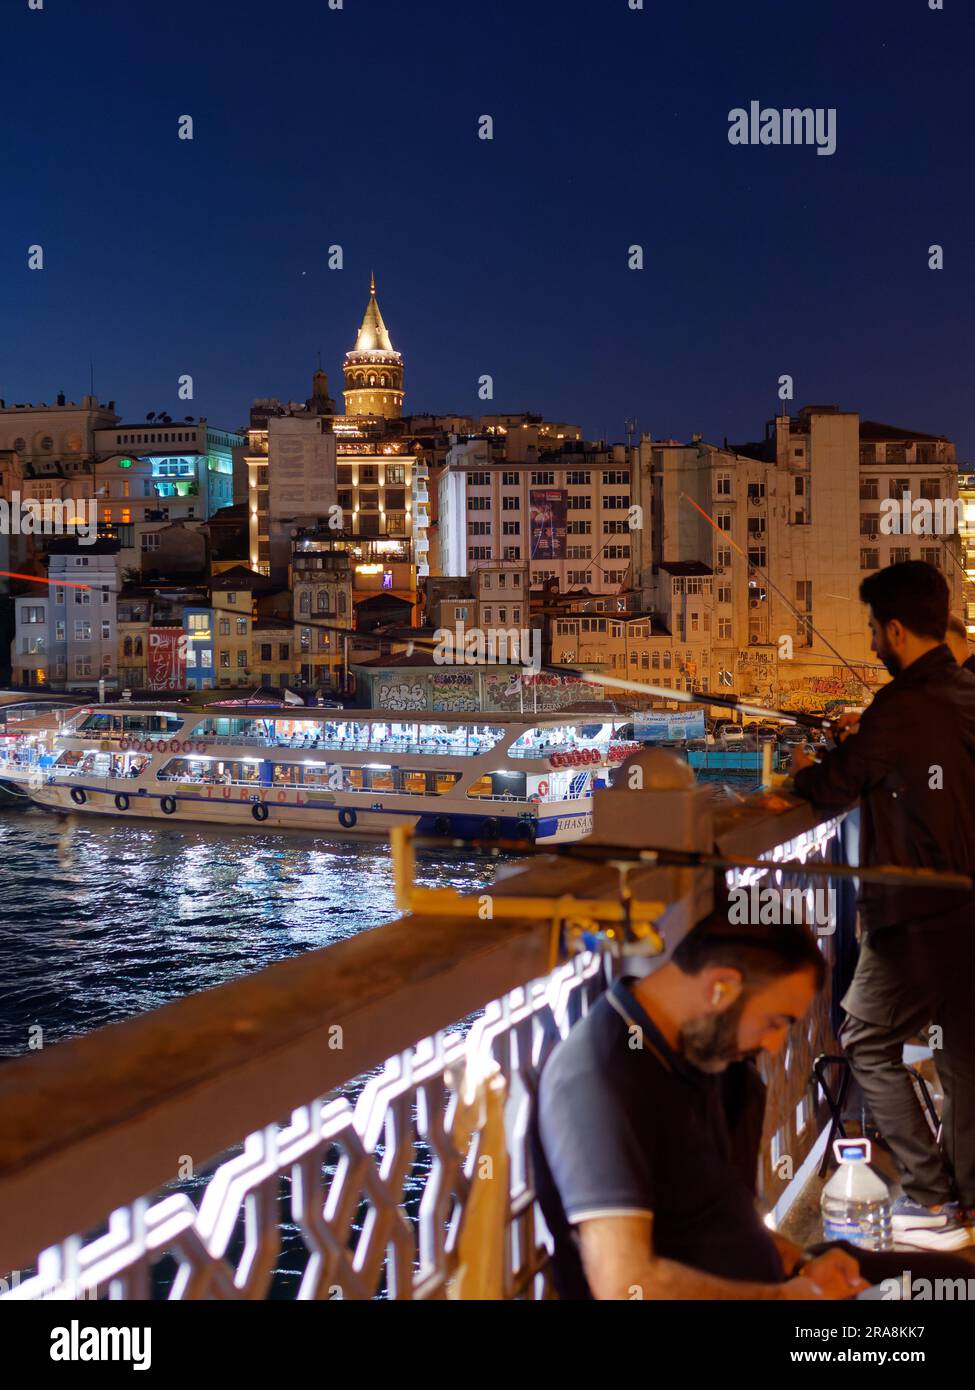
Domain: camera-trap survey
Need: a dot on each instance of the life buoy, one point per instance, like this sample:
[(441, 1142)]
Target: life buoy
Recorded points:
[(441, 826), (347, 817), (123, 745), (174, 745), (528, 827), (543, 788), (490, 828), (121, 802), (259, 811), (78, 796), (168, 805), (200, 746)]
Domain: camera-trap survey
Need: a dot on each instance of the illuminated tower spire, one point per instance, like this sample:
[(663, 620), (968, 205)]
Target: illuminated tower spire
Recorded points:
[(373, 370)]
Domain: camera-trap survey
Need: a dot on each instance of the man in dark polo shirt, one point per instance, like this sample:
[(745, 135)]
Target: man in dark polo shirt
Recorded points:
[(646, 1188), (635, 1169)]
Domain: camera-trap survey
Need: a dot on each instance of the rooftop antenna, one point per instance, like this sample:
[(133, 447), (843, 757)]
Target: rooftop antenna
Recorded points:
[(91, 377), (629, 424)]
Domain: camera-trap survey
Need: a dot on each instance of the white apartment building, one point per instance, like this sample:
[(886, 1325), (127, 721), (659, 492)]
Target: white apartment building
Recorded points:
[(66, 631)]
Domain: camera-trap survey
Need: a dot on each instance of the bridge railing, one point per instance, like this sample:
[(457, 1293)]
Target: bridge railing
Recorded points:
[(286, 1134)]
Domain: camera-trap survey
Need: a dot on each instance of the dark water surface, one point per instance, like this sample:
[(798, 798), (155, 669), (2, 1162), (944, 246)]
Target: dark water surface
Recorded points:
[(100, 921)]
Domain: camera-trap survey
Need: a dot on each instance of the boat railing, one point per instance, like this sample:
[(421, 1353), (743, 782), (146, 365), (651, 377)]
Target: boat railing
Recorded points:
[(361, 1190)]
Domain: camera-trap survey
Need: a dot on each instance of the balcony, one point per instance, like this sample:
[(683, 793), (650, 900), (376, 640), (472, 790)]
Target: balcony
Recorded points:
[(248, 1075)]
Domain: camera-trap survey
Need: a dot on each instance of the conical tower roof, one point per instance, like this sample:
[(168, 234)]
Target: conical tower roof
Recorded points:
[(373, 335)]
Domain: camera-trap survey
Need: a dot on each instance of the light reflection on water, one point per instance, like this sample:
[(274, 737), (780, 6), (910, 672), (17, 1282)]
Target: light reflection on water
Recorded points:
[(104, 920)]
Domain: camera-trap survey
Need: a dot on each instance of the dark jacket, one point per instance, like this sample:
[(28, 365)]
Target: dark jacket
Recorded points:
[(912, 766)]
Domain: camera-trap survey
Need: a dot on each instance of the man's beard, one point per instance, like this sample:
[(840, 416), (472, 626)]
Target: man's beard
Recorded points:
[(891, 663), (710, 1042)]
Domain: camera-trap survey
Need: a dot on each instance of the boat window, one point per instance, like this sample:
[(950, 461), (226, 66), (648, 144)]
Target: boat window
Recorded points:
[(538, 743), (391, 780), (212, 771), (500, 786)]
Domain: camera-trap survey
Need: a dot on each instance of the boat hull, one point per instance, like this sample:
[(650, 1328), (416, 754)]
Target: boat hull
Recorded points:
[(244, 810)]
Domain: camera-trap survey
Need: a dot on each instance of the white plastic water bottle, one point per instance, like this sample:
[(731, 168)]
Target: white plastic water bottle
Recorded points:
[(855, 1202)]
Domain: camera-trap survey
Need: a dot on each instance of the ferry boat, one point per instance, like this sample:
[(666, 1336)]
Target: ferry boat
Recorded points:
[(28, 728), (356, 772)]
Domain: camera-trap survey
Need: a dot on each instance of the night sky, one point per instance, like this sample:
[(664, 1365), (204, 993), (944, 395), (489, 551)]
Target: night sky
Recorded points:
[(359, 127)]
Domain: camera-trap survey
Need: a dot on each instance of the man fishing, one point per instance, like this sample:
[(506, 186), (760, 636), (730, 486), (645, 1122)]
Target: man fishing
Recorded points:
[(910, 761)]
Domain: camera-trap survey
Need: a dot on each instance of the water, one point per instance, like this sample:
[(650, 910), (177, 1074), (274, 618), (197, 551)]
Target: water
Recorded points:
[(855, 1203), (100, 921)]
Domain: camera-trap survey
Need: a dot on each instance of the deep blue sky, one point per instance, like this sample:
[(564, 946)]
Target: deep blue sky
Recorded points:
[(358, 127)]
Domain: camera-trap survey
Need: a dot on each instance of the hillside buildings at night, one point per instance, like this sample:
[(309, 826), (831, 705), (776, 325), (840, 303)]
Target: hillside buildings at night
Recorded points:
[(686, 565)]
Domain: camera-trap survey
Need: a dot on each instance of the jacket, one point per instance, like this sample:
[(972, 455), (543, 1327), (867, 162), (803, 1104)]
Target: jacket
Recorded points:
[(912, 767)]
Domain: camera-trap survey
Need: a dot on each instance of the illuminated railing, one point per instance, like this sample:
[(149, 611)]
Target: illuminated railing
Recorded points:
[(308, 1182)]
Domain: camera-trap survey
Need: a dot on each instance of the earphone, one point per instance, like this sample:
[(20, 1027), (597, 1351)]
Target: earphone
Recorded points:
[(716, 993)]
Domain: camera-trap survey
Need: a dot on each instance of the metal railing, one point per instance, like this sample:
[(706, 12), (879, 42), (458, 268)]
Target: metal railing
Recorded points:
[(357, 1196)]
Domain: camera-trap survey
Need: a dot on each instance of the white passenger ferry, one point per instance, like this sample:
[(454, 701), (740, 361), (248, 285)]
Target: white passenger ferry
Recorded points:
[(29, 728), (354, 772)]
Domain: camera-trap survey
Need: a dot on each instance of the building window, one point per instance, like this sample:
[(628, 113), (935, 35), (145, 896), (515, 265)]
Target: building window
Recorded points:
[(580, 503), (511, 528), (613, 477), (106, 632), (224, 627), (509, 479), (869, 489), (479, 480), (82, 632), (869, 559), (232, 598), (511, 504), (723, 520), (577, 478), (579, 528), (723, 485), (543, 480), (724, 629), (241, 660)]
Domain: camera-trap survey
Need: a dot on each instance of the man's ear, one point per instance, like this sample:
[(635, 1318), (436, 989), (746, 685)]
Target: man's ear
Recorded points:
[(723, 986)]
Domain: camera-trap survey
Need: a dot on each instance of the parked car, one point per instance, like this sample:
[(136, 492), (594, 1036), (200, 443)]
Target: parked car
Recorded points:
[(733, 733), (794, 733)]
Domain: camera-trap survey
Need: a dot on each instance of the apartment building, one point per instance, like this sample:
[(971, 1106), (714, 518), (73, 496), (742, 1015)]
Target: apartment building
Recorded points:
[(788, 527), (572, 514), (65, 636)]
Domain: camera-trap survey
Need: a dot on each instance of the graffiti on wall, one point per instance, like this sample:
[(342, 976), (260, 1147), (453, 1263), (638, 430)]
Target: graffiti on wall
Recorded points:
[(455, 691), (401, 695)]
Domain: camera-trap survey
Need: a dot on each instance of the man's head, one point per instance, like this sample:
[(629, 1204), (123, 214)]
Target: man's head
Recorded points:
[(908, 612), (741, 988), (956, 639)]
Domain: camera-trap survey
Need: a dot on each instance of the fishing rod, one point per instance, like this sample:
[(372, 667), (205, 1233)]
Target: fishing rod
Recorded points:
[(658, 692), (657, 858), (803, 617)]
